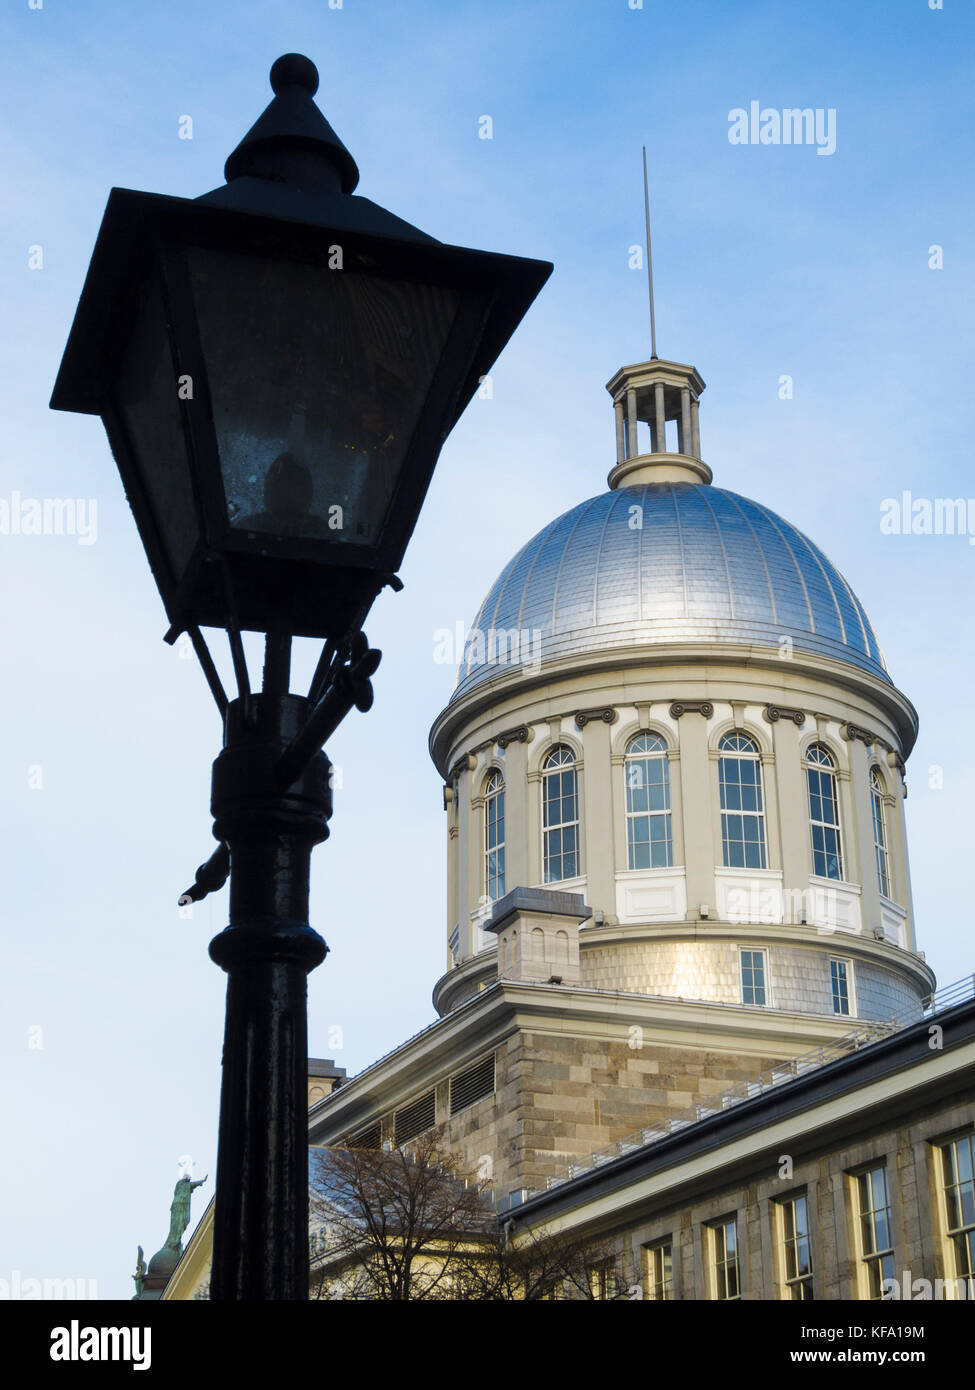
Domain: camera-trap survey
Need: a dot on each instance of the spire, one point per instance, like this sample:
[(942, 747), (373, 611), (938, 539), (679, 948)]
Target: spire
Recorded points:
[(652, 394), (646, 208)]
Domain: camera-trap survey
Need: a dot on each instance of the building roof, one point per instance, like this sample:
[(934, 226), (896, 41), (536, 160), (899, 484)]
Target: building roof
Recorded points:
[(905, 1053), (666, 562)]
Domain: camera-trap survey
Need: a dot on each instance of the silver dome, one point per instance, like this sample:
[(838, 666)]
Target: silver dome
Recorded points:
[(706, 565)]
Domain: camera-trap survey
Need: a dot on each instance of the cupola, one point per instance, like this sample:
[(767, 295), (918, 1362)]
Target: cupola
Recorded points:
[(648, 397)]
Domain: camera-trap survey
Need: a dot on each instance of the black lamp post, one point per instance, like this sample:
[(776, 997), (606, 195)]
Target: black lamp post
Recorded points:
[(277, 365)]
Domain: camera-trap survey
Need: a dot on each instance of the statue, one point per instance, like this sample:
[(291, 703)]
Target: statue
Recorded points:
[(179, 1212), (150, 1282)]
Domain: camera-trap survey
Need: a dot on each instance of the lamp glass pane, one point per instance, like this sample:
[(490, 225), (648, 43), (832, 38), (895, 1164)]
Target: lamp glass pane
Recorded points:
[(317, 379), (147, 399)]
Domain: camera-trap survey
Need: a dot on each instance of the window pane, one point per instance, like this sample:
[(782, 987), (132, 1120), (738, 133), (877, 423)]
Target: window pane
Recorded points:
[(560, 815), (494, 836), (824, 820), (753, 977), (742, 821), (647, 781), (967, 1204)]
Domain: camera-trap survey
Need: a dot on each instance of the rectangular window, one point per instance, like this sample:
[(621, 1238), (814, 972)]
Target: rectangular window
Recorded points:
[(753, 989), (876, 1229), (724, 1259), (560, 816), (742, 805), (958, 1173), (604, 1281), (839, 976), (648, 827), (494, 838), (879, 832), (824, 813), (797, 1255), (659, 1270)]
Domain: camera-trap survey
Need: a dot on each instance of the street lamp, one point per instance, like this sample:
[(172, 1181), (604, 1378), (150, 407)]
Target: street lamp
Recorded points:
[(277, 365)]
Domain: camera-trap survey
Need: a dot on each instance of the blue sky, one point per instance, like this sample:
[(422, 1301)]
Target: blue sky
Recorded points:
[(770, 261)]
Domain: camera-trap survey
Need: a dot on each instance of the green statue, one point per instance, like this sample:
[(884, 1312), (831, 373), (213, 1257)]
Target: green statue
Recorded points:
[(151, 1281), (179, 1212)]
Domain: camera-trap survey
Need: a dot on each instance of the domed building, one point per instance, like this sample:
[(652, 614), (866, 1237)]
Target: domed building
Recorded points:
[(683, 1014), (673, 772), (674, 705)]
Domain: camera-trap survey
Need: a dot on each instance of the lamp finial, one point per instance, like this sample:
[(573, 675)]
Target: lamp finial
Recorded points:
[(294, 70), (292, 142)]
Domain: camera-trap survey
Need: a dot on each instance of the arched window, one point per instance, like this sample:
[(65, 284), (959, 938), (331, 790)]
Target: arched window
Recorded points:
[(648, 830), (742, 804), (879, 832), (560, 815), (494, 836), (824, 813)]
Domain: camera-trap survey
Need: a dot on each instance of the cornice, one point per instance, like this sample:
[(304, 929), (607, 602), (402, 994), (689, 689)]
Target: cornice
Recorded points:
[(519, 684), (507, 1007)]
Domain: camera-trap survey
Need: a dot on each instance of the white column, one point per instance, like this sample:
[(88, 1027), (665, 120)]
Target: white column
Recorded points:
[(695, 430), (696, 791), (517, 873), (793, 810), (900, 864), (598, 829), (632, 447), (463, 886), (658, 396), (533, 808), (620, 434), (453, 849), (685, 421), (476, 878), (859, 858)]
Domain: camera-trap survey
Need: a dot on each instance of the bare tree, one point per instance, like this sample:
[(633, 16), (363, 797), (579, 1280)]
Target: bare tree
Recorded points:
[(408, 1223), (399, 1223)]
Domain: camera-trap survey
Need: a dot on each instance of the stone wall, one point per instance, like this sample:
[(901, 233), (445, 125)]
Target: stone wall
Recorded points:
[(560, 1098)]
